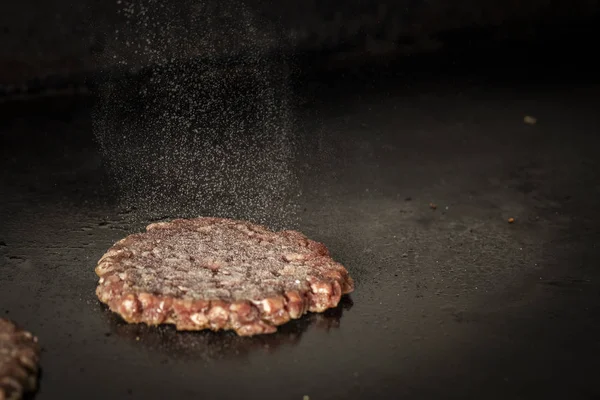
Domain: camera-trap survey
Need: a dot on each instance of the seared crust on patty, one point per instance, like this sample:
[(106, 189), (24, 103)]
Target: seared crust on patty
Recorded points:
[(215, 273), (19, 358)]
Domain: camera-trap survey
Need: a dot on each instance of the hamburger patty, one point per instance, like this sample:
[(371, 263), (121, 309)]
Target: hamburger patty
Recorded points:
[(19, 357), (215, 273)]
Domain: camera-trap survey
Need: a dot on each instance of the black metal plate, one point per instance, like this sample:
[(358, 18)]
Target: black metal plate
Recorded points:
[(449, 302)]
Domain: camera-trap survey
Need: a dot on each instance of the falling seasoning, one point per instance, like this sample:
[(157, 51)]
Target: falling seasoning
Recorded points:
[(529, 120), (511, 220), (212, 137), (433, 206)]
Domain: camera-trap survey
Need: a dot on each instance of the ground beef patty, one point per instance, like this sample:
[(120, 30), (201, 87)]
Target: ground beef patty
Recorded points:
[(214, 273), (19, 356)]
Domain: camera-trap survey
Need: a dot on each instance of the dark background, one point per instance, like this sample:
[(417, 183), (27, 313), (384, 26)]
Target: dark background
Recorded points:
[(59, 39), (347, 121)]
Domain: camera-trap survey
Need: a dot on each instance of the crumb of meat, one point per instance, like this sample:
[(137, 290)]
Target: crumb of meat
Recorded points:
[(212, 273), (511, 220)]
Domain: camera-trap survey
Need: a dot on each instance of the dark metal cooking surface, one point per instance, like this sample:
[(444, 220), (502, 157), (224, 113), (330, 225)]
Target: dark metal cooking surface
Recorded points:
[(449, 302)]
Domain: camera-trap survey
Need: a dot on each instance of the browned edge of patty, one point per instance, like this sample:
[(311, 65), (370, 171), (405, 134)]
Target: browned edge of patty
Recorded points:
[(19, 363), (247, 317)]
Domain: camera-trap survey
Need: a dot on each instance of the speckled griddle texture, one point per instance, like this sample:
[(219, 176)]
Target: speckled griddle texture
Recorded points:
[(19, 357), (214, 273)]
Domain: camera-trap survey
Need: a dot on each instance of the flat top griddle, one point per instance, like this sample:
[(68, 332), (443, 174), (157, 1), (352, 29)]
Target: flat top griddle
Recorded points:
[(449, 302)]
